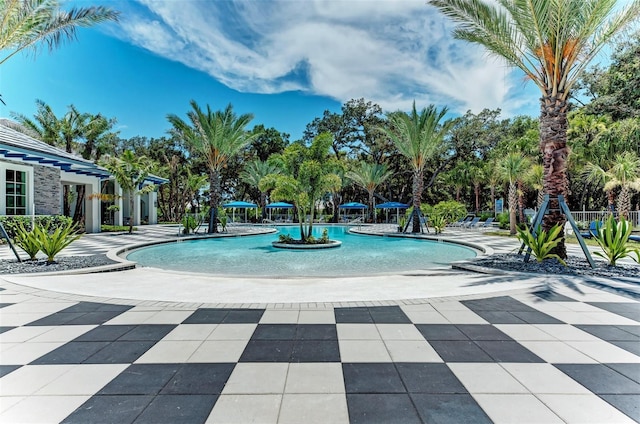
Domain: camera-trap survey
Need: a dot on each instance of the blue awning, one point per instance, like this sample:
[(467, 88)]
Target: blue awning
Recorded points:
[(353, 205), (392, 205), (240, 204), (279, 205)]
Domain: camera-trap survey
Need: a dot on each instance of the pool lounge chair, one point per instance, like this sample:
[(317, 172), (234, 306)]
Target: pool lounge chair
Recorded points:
[(461, 221), (486, 224), (593, 229), (472, 223)]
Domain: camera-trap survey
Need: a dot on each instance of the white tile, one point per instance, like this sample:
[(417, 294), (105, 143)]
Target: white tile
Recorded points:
[(219, 351), (357, 332), (30, 378), (85, 379), (131, 317), (565, 332), (42, 409), (603, 351), (232, 332), (463, 317), (524, 332), (411, 351), (63, 333), (486, 378), (557, 352), (584, 409), (190, 332), (24, 353), (169, 317), (450, 305), (317, 317), (363, 351), (21, 318), (516, 408), (399, 332), (274, 316), (243, 409), (7, 402), (426, 317), (257, 378), (22, 334), (313, 409), (610, 318), (31, 307), (544, 378), (169, 352), (315, 378)]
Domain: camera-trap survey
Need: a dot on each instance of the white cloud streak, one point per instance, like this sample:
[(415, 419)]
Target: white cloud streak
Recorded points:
[(391, 52)]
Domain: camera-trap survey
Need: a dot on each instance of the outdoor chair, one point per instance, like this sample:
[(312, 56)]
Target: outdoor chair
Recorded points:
[(461, 221), (593, 229), (486, 224), (472, 223)]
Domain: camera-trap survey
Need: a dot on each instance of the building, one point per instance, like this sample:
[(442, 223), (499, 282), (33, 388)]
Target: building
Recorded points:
[(34, 177)]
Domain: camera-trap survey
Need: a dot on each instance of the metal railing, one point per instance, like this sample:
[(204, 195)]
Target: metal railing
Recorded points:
[(588, 216)]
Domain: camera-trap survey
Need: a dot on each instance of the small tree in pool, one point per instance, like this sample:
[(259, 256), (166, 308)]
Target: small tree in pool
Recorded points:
[(307, 175)]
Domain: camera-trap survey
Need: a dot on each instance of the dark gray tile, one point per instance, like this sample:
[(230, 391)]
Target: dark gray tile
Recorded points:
[(500, 303), (207, 316), (352, 316), (631, 371), (94, 318), (449, 409), (633, 347), (120, 352), (460, 351), (148, 332), (388, 315), (482, 332), (275, 332), (429, 378), (316, 332), (97, 307), (198, 379), (243, 316), (508, 351), (105, 333), (141, 379), (551, 296), (171, 409), (626, 309), (600, 379), (6, 369), (58, 318), (372, 378), (633, 329), (536, 317), (315, 351), (267, 351), (3, 329), (499, 317), (4, 305), (109, 409), (628, 404), (609, 332), (441, 332), (71, 353), (381, 409)]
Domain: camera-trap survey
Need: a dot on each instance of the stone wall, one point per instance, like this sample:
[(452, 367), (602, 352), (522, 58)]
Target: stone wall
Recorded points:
[(47, 188)]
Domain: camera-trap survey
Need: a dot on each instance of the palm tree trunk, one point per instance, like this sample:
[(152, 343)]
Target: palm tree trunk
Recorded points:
[(131, 194), (513, 199), (553, 146), (520, 202), (263, 204), (417, 194), (624, 202), (477, 192), (78, 214), (372, 211), (214, 200)]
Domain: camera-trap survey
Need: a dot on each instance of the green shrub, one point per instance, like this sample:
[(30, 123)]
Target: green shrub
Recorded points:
[(325, 236), (438, 222), (450, 210), (189, 223), (285, 238), (541, 242), (503, 220), (613, 238), (11, 223), (485, 215), (52, 243), (223, 218), (27, 240)]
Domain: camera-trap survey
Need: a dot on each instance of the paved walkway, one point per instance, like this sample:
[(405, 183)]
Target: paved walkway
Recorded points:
[(490, 349)]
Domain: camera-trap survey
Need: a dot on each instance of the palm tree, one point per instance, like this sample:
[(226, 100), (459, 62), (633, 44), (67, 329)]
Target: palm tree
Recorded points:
[(624, 173), (28, 23), (552, 42), (369, 176), (253, 172), (418, 136), (130, 171), (216, 137), (511, 170)]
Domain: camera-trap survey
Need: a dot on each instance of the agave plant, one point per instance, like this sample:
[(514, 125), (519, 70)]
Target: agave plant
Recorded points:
[(438, 222), (613, 238), (541, 242), (53, 243), (27, 241)]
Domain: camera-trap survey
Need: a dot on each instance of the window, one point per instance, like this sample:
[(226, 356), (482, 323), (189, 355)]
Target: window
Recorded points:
[(16, 192)]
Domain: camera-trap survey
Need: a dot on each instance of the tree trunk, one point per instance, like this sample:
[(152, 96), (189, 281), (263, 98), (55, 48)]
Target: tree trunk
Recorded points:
[(263, 204), (214, 201), (624, 202), (131, 199), (520, 194), (66, 206), (78, 214), (417, 194), (477, 192), (553, 146), (372, 213), (513, 200)]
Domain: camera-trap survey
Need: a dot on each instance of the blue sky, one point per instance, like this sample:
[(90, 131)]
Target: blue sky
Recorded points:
[(284, 61)]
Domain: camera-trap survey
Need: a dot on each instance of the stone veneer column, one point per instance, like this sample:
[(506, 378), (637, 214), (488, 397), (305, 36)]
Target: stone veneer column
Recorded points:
[(46, 190)]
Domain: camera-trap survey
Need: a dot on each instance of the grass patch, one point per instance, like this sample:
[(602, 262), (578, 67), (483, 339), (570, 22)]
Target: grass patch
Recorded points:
[(115, 228)]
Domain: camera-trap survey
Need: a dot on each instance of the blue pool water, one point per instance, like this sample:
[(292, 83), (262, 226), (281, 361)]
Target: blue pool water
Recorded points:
[(254, 255)]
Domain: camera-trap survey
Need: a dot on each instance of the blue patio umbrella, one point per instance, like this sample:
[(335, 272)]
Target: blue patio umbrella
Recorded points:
[(354, 205), (240, 205)]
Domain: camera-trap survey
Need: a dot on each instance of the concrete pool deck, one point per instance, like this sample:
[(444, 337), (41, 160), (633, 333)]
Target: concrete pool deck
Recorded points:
[(149, 346)]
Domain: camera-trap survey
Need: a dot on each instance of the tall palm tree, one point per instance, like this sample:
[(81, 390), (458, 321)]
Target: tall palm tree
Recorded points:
[(216, 137), (624, 173), (418, 136), (130, 171), (552, 42), (28, 23), (511, 170), (369, 176), (253, 172)]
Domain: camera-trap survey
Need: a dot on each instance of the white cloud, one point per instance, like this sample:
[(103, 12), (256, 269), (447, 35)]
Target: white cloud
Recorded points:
[(387, 51)]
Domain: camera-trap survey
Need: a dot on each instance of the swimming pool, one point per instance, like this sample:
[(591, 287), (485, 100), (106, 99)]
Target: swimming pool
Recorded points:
[(254, 256)]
